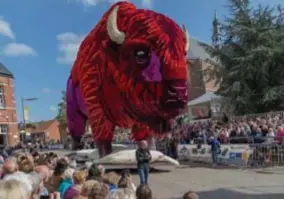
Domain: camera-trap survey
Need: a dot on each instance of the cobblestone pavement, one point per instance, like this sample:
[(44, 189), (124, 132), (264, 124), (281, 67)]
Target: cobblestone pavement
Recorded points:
[(217, 183)]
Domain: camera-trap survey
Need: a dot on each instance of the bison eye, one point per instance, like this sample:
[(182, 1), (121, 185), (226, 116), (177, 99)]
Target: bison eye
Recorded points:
[(142, 56)]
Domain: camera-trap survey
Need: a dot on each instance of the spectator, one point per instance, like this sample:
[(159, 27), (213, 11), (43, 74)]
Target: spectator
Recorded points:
[(280, 135), (13, 189), (190, 195), (111, 179), (1, 159), (99, 191), (215, 148), (87, 188), (79, 178), (53, 183), (37, 184), (124, 193), (26, 163), (95, 172), (46, 174), (144, 192), (66, 182), (270, 135), (21, 177), (126, 181), (143, 157), (10, 166)]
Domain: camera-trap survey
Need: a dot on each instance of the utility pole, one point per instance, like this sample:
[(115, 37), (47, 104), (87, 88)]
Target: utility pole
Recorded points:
[(24, 119)]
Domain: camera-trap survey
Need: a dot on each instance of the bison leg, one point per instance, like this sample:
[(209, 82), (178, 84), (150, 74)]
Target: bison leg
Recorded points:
[(102, 127), (102, 130), (76, 114)]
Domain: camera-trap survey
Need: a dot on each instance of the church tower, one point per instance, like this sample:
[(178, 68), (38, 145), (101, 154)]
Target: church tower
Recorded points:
[(215, 31)]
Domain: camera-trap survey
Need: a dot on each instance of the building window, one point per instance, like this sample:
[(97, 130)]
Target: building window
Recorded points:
[(2, 97), (3, 134), (3, 129)]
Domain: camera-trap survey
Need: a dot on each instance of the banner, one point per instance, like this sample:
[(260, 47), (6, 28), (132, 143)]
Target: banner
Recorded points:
[(228, 154), (26, 113)]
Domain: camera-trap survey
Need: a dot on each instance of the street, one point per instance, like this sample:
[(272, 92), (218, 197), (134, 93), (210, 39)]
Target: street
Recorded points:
[(217, 183), (225, 183)]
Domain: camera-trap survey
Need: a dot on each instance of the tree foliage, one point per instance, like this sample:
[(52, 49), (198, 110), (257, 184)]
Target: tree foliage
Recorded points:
[(249, 60), (31, 125), (61, 117)]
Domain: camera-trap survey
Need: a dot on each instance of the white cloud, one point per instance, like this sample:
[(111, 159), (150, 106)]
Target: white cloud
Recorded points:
[(68, 45), (115, 1), (96, 2), (18, 49), (46, 90), (90, 2), (144, 3), (53, 108), (147, 3), (5, 29)]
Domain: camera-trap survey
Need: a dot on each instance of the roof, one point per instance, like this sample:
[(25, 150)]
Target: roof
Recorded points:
[(207, 97), (43, 126), (196, 50), (5, 72)]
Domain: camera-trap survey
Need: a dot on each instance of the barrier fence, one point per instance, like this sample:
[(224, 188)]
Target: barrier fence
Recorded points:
[(253, 116), (251, 154)]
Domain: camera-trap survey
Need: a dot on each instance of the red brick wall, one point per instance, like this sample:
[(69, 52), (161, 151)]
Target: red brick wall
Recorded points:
[(209, 85), (197, 81), (8, 113), (53, 131)]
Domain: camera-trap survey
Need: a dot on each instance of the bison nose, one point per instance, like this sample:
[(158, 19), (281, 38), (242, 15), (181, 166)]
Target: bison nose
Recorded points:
[(175, 95)]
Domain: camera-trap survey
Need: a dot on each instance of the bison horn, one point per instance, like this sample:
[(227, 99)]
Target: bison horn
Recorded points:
[(114, 33), (186, 37)]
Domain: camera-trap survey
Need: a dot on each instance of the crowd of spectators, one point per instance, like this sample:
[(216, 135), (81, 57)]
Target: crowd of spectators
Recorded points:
[(250, 130), (253, 130), (48, 176)]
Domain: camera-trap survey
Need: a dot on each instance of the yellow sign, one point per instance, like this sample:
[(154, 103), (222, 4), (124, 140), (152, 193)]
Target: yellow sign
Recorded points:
[(26, 113)]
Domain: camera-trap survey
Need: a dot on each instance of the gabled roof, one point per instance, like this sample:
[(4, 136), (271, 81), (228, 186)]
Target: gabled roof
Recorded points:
[(43, 126), (197, 51), (5, 72)]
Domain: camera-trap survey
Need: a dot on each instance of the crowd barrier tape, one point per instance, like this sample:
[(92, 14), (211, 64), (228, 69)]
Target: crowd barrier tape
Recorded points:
[(228, 154)]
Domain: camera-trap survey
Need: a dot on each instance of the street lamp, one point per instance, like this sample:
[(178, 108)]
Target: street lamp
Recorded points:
[(23, 110)]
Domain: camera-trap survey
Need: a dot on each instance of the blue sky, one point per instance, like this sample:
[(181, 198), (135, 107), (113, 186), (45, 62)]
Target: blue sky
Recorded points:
[(39, 39)]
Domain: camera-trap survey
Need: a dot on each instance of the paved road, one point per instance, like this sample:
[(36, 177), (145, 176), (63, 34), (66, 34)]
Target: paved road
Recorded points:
[(217, 183)]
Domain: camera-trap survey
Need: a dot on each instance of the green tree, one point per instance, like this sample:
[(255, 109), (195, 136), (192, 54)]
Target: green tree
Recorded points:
[(61, 116), (249, 60), (31, 125)]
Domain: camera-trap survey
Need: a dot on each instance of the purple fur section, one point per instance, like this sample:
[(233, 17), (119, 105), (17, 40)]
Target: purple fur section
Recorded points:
[(153, 72), (80, 102), (76, 112)]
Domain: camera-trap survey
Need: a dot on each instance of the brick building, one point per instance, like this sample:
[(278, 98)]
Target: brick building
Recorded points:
[(44, 131), (9, 134), (198, 84), (197, 63)]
